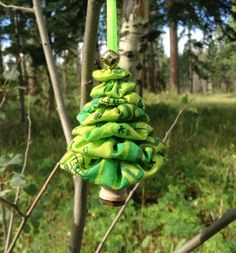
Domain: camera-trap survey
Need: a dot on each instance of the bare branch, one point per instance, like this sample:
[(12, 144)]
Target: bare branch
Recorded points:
[(31, 208), (88, 55), (167, 134), (14, 7), (13, 206), (11, 223), (116, 219), (208, 232), (52, 71), (182, 109), (4, 223)]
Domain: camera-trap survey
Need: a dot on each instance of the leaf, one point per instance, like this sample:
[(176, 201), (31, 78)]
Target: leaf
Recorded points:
[(4, 193), (31, 189), (2, 115), (18, 180), (17, 159), (10, 159), (184, 100), (146, 241)]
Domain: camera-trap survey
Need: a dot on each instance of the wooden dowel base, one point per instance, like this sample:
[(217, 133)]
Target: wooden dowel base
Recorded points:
[(111, 197)]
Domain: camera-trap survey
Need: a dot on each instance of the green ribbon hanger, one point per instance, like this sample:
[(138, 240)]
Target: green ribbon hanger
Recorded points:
[(112, 38)]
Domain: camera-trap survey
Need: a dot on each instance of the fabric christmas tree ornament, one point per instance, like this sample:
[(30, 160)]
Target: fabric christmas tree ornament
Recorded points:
[(114, 145)]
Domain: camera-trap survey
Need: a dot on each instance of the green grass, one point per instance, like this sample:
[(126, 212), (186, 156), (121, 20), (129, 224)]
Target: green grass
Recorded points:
[(193, 189)]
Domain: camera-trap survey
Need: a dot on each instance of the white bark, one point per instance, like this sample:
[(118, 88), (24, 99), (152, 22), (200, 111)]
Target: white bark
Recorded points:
[(132, 37)]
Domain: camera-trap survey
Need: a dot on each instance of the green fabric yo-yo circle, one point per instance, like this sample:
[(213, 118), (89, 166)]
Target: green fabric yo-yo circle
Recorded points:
[(114, 144)]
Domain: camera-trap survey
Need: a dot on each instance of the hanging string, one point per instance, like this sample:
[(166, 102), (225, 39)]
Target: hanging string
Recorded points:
[(112, 38)]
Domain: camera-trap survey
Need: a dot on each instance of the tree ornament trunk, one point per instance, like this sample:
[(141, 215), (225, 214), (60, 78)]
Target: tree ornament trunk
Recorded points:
[(132, 37), (173, 68)]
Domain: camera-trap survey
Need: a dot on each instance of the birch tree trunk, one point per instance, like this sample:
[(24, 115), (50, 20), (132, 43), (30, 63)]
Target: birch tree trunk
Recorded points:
[(132, 37), (173, 68)]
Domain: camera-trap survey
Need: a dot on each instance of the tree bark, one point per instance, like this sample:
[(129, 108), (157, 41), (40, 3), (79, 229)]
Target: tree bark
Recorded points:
[(89, 49), (88, 59), (52, 71), (1, 60), (49, 92), (190, 62), (132, 37), (173, 68), (19, 68)]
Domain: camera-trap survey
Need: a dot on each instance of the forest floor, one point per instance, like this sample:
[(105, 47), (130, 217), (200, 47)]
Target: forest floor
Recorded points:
[(195, 187)]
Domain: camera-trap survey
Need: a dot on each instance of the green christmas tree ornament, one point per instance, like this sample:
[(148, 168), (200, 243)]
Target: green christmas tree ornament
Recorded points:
[(114, 145)]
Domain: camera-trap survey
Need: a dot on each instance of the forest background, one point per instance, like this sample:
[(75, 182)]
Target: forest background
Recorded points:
[(196, 186)]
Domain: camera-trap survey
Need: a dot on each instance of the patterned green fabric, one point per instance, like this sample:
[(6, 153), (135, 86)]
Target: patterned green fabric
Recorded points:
[(114, 144)]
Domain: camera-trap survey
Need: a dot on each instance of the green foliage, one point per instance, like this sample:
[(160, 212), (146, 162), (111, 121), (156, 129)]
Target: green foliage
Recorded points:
[(196, 186)]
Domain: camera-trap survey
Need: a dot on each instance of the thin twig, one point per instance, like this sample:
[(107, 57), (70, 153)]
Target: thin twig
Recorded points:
[(116, 219), (11, 223), (14, 7), (182, 109), (167, 134), (4, 219), (12, 205), (208, 232), (31, 208)]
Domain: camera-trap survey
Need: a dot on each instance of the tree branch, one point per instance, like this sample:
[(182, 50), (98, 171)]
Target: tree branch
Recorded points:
[(208, 232), (52, 71), (11, 223), (182, 109), (12, 205), (4, 223), (116, 219), (88, 55), (14, 7)]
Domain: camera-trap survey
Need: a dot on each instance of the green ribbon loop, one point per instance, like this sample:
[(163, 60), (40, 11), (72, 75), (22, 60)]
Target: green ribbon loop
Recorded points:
[(112, 38)]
